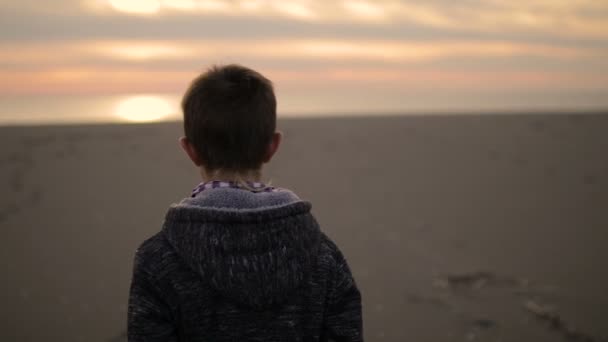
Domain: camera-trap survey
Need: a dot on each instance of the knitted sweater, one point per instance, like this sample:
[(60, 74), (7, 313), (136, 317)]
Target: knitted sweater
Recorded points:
[(233, 265)]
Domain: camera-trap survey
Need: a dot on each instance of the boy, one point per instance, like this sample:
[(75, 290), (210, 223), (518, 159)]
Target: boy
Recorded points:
[(239, 260)]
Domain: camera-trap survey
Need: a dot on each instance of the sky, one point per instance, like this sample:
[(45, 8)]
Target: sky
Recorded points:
[(324, 57)]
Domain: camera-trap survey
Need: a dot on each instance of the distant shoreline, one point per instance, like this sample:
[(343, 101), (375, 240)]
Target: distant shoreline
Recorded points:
[(335, 115)]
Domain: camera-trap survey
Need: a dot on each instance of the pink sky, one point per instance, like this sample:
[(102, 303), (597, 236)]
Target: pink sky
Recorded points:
[(324, 56)]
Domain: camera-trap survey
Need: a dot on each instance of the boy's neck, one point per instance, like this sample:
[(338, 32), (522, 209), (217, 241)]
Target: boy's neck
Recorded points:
[(232, 176)]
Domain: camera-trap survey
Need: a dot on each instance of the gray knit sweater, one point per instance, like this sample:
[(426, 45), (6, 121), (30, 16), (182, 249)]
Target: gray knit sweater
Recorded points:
[(233, 265)]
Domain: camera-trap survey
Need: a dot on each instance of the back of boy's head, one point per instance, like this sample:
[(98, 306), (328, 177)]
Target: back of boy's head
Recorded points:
[(230, 117)]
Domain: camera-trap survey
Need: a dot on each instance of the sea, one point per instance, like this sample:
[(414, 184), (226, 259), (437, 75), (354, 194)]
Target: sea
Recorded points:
[(19, 110)]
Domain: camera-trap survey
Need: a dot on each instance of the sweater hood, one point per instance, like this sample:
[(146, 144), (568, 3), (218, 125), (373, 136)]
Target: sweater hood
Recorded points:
[(253, 248)]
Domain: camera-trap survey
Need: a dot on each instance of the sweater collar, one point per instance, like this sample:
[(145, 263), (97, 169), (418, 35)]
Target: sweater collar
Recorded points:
[(247, 185)]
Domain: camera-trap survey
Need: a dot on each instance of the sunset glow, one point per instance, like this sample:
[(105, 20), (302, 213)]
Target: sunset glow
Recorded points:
[(143, 109), (320, 54), (136, 6)]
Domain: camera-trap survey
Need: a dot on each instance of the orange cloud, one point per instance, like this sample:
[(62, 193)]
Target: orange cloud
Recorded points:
[(69, 53), (112, 81), (555, 17), (91, 81)]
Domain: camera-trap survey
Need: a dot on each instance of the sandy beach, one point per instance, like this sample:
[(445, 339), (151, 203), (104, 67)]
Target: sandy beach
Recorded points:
[(456, 227)]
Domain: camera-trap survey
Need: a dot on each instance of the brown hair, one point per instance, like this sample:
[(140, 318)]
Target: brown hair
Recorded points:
[(230, 117)]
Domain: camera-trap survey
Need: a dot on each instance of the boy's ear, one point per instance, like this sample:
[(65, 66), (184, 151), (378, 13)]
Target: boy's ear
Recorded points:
[(277, 137), (190, 151)]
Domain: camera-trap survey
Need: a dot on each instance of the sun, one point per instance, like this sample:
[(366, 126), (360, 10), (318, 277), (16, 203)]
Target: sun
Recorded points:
[(143, 108), (136, 6)]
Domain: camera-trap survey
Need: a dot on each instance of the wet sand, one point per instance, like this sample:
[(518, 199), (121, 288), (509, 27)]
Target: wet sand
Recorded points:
[(457, 228)]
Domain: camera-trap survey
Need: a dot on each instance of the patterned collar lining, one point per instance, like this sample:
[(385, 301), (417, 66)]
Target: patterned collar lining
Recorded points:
[(250, 186)]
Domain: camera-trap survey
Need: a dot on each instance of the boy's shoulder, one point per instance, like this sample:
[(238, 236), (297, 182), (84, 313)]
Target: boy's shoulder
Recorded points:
[(330, 253), (154, 254)]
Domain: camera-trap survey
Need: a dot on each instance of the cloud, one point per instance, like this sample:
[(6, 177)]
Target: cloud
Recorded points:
[(314, 47), (498, 16), (94, 81), (578, 19), (136, 6), (319, 51), (116, 66)]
